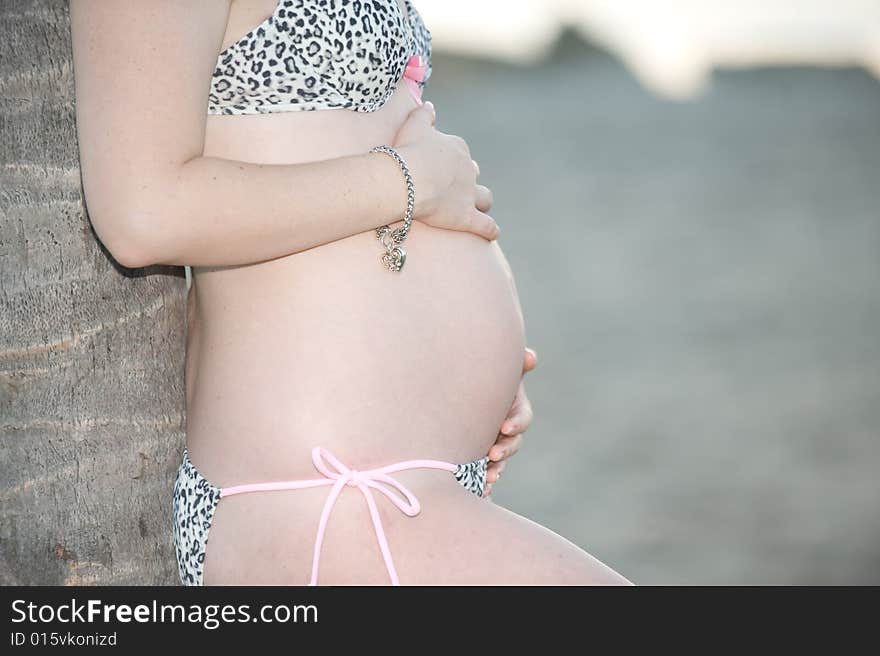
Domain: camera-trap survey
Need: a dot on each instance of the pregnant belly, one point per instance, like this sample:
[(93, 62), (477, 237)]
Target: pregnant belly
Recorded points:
[(326, 347)]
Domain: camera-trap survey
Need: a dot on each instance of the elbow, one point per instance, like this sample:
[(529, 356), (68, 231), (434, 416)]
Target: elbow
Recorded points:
[(134, 209), (137, 218), (129, 235), (124, 238)]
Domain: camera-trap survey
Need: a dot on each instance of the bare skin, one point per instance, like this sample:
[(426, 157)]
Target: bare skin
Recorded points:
[(297, 336)]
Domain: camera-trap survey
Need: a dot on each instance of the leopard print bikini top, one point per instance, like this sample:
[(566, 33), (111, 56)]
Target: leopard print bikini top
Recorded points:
[(320, 54)]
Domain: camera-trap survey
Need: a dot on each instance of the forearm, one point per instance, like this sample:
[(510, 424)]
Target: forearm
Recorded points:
[(215, 212)]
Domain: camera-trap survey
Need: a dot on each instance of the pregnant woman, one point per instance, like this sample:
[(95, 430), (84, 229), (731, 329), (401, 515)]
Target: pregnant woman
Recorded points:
[(354, 334)]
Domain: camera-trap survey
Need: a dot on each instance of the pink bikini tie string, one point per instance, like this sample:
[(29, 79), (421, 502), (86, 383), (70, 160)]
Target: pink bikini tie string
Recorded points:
[(338, 476), (414, 73)]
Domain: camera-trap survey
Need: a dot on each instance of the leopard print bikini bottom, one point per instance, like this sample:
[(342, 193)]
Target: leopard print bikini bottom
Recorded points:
[(195, 500)]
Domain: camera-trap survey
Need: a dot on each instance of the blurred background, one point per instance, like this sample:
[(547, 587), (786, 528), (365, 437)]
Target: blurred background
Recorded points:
[(689, 195)]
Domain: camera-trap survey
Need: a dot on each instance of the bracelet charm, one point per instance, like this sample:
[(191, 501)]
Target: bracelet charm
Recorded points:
[(395, 255)]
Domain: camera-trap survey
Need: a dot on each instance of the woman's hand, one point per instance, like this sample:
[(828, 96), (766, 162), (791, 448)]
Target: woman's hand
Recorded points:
[(444, 176), (517, 422)]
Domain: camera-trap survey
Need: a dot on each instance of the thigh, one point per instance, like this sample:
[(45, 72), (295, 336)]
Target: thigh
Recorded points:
[(479, 542), (456, 539)]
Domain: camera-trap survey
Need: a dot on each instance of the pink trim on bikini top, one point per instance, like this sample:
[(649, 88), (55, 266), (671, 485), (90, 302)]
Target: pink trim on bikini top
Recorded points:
[(366, 481), (413, 73)]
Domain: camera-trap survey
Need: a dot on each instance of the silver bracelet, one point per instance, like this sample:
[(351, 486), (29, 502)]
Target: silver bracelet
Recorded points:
[(395, 255)]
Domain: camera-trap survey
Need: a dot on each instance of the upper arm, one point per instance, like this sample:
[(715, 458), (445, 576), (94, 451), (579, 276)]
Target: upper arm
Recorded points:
[(143, 72)]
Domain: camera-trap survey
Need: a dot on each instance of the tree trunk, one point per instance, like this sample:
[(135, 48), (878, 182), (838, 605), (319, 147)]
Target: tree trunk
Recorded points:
[(91, 354)]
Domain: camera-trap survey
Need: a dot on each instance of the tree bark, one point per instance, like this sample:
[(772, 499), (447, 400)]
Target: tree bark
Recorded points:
[(91, 354)]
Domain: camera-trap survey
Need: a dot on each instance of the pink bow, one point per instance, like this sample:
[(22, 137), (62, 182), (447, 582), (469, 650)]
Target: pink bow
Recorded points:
[(413, 74), (339, 475), (368, 481)]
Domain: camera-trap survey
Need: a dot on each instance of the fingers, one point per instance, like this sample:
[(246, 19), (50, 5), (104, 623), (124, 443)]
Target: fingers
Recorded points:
[(483, 200), (505, 447), (521, 415), (530, 360), (481, 224), (424, 113), (493, 473)]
